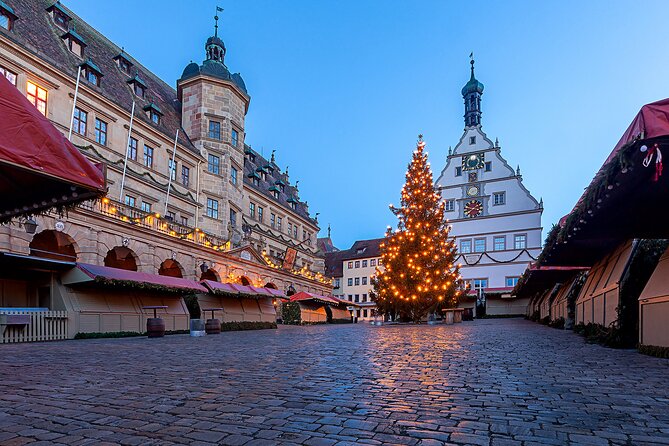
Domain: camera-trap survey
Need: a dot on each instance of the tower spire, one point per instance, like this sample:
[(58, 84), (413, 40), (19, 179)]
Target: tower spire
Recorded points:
[(471, 93), (218, 9)]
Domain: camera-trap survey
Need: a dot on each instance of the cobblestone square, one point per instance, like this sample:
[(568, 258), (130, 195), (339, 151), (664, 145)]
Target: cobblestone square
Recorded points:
[(489, 382)]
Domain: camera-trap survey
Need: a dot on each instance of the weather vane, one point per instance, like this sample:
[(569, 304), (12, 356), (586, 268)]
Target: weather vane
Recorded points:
[(218, 9)]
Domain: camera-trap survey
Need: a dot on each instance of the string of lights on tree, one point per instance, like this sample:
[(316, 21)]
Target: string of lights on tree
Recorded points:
[(420, 275)]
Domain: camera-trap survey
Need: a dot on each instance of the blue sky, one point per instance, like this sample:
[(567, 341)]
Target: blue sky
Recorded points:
[(341, 89)]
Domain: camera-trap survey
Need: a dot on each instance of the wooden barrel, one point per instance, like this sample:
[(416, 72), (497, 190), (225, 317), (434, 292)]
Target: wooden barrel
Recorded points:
[(155, 327), (213, 326)]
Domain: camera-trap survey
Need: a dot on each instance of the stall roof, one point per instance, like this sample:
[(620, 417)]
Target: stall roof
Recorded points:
[(242, 290), (303, 295), (40, 168), (87, 274), (615, 206), (540, 278)]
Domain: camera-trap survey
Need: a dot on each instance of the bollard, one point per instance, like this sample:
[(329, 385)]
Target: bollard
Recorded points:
[(197, 328)]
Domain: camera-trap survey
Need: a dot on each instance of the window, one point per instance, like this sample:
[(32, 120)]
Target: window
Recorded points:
[(275, 193), (79, 121), (252, 210), (214, 164), (130, 201), (479, 284), (233, 218), (372, 262), (488, 166), (171, 216), (350, 265), (92, 77), (278, 223), (357, 313), (215, 130), (37, 96), (378, 262), (184, 221), (212, 208), (350, 281), (499, 198), (304, 234), (148, 156), (472, 140), (499, 243), (5, 21), (11, 76), (479, 245), (465, 246), (233, 175), (75, 46), (449, 205), (350, 297), (511, 281), (138, 89), (272, 220), (146, 207), (235, 138), (155, 116), (185, 175), (364, 282), (61, 19), (357, 263), (123, 63), (132, 149), (364, 263), (260, 213), (100, 132), (364, 313), (458, 171), (172, 167), (290, 229), (295, 231), (256, 182), (520, 241), (357, 281), (364, 297)]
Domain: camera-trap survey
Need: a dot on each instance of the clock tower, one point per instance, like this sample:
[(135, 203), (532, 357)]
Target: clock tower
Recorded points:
[(495, 220)]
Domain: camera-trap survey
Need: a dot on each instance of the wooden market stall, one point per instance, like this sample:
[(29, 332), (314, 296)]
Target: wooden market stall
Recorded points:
[(316, 309), (240, 303)]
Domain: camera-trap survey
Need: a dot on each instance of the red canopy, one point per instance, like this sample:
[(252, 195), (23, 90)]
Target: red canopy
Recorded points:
[(39, 167), (235, 288), (86, 273), (303, 295)]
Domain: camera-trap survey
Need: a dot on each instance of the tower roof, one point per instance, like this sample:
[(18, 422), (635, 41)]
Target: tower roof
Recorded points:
[(473, 86)]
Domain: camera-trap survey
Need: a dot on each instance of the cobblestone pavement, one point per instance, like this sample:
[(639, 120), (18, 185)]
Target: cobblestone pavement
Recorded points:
[(493, 382)]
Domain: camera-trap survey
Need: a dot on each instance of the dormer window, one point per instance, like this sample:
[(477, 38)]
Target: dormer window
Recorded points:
[(7, 16), (270, 170), (138, 86), (256, 181), (154, 113), (276, 194), (60, 17), (123, 62), (91, 72), (75, 43)]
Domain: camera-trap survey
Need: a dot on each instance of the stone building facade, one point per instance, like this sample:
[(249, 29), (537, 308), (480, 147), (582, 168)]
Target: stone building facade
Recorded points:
[(179, 195)]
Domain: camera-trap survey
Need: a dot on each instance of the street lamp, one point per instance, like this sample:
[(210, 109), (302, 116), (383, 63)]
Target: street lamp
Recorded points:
[(30, 225), (290, 290)]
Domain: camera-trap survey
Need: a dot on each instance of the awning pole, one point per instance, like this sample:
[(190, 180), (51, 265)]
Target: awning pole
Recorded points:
[(74, 104), (127, 146), (169, 172)]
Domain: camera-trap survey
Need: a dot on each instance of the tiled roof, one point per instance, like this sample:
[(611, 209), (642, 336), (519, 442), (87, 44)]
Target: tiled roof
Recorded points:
[(363, 249), (324, 244), (36, 32), (334, 263), (267, 186)]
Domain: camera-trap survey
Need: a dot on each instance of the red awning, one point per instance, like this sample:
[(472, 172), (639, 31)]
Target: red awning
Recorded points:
[(242, 290), (86, 273), (303, 295), (40, 169)]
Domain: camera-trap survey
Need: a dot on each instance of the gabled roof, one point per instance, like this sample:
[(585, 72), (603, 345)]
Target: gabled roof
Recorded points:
[(363, 249), (334, 263), (38, 34)]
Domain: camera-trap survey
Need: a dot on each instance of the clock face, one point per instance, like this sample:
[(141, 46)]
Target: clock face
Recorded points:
[(473, 208), (473, 161), (473, 191)]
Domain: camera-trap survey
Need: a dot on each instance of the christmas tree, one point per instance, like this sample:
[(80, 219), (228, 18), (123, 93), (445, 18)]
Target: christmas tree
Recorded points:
[(418, 275)]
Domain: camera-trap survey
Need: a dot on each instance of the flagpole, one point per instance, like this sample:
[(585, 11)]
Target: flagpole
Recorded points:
[(74, 104), (169, 172), (127, 146)]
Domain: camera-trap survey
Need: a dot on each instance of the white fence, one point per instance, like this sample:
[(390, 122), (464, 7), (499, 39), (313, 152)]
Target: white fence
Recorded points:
[(32, 326)]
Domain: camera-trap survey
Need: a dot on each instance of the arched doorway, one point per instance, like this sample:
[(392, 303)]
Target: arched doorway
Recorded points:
[(53, 245), (122, 258), (245, 281), (271, 285), (171, 268), (210, 274)]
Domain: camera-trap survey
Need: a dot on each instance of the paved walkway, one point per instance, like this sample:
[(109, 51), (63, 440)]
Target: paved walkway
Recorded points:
[(495, 382)]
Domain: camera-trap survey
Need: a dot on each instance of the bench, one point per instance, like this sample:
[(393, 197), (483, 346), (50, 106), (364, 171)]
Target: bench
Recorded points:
[(14, 320)]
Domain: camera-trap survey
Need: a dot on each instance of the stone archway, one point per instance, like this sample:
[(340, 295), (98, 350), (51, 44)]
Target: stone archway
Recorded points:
[(54, 245), (245, 281), (171, 268), (271, 285), (122, 258), (210, 274)]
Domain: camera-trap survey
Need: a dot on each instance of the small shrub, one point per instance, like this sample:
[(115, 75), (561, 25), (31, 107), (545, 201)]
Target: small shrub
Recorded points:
[(291, 313), (545, 321), (557, 323), (240, 326), (654, 350)]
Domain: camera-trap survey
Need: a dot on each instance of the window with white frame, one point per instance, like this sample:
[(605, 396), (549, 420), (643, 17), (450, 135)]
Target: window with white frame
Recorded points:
[(146, 207), (79, 121), (357, 281), (9, 75), (449, 205), (466, 246), (130, 201), (350, 281), (479, 245), (499, 243), (212, 208), (372, 262), (511, 281), (357, 263), (520, 241), (364, 280)]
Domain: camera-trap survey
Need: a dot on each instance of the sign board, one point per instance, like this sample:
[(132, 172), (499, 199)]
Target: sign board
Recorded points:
[(289, 259)]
